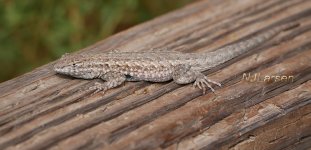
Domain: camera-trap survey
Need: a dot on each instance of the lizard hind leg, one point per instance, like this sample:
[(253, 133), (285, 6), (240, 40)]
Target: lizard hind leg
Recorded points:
[(112, 79), (183, 74)]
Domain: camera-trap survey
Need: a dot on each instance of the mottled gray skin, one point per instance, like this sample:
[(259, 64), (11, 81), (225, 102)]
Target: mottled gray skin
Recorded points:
[(156, 66)]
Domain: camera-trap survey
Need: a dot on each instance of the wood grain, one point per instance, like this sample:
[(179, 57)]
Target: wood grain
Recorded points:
[(43, 110)]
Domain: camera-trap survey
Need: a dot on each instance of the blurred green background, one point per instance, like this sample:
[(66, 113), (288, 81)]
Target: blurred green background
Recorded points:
[(35, 32)]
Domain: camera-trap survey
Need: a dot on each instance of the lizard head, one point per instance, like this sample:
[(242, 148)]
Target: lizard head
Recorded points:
[(74, 65)]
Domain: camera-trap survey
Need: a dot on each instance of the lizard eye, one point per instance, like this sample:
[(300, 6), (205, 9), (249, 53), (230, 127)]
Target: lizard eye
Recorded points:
[(74, 65)]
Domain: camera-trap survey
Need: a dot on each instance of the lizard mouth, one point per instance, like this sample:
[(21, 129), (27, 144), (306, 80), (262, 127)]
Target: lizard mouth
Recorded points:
[(59, 69)]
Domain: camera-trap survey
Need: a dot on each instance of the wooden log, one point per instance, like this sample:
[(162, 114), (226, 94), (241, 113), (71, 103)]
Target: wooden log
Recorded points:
[(43, 110)]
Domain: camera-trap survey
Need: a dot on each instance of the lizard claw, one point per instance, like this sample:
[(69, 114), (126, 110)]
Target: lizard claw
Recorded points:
[(214, 82), (203, 82)]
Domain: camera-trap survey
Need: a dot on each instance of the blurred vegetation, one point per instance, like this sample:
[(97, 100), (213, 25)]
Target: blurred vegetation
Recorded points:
[(33, 32)]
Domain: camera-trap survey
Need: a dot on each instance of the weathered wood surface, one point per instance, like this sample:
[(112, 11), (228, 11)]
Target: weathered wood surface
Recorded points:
[(42, 110)]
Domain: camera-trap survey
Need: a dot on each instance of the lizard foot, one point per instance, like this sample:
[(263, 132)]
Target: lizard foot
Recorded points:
[(202, 82), (98, 87)]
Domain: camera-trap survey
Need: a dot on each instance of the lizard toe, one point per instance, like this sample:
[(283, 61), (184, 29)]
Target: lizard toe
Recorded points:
[(212, 81), (203, 82)]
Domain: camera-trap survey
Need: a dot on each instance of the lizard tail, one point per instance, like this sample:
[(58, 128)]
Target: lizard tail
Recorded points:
[(228, 52)]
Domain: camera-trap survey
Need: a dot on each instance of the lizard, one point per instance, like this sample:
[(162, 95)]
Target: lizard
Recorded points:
[(116, 67)]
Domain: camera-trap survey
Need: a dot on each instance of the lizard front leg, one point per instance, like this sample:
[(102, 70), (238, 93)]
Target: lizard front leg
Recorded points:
[(112, 79), (183, 74)]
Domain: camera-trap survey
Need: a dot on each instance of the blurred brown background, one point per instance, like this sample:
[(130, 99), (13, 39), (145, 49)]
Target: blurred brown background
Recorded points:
[(33, 33)]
